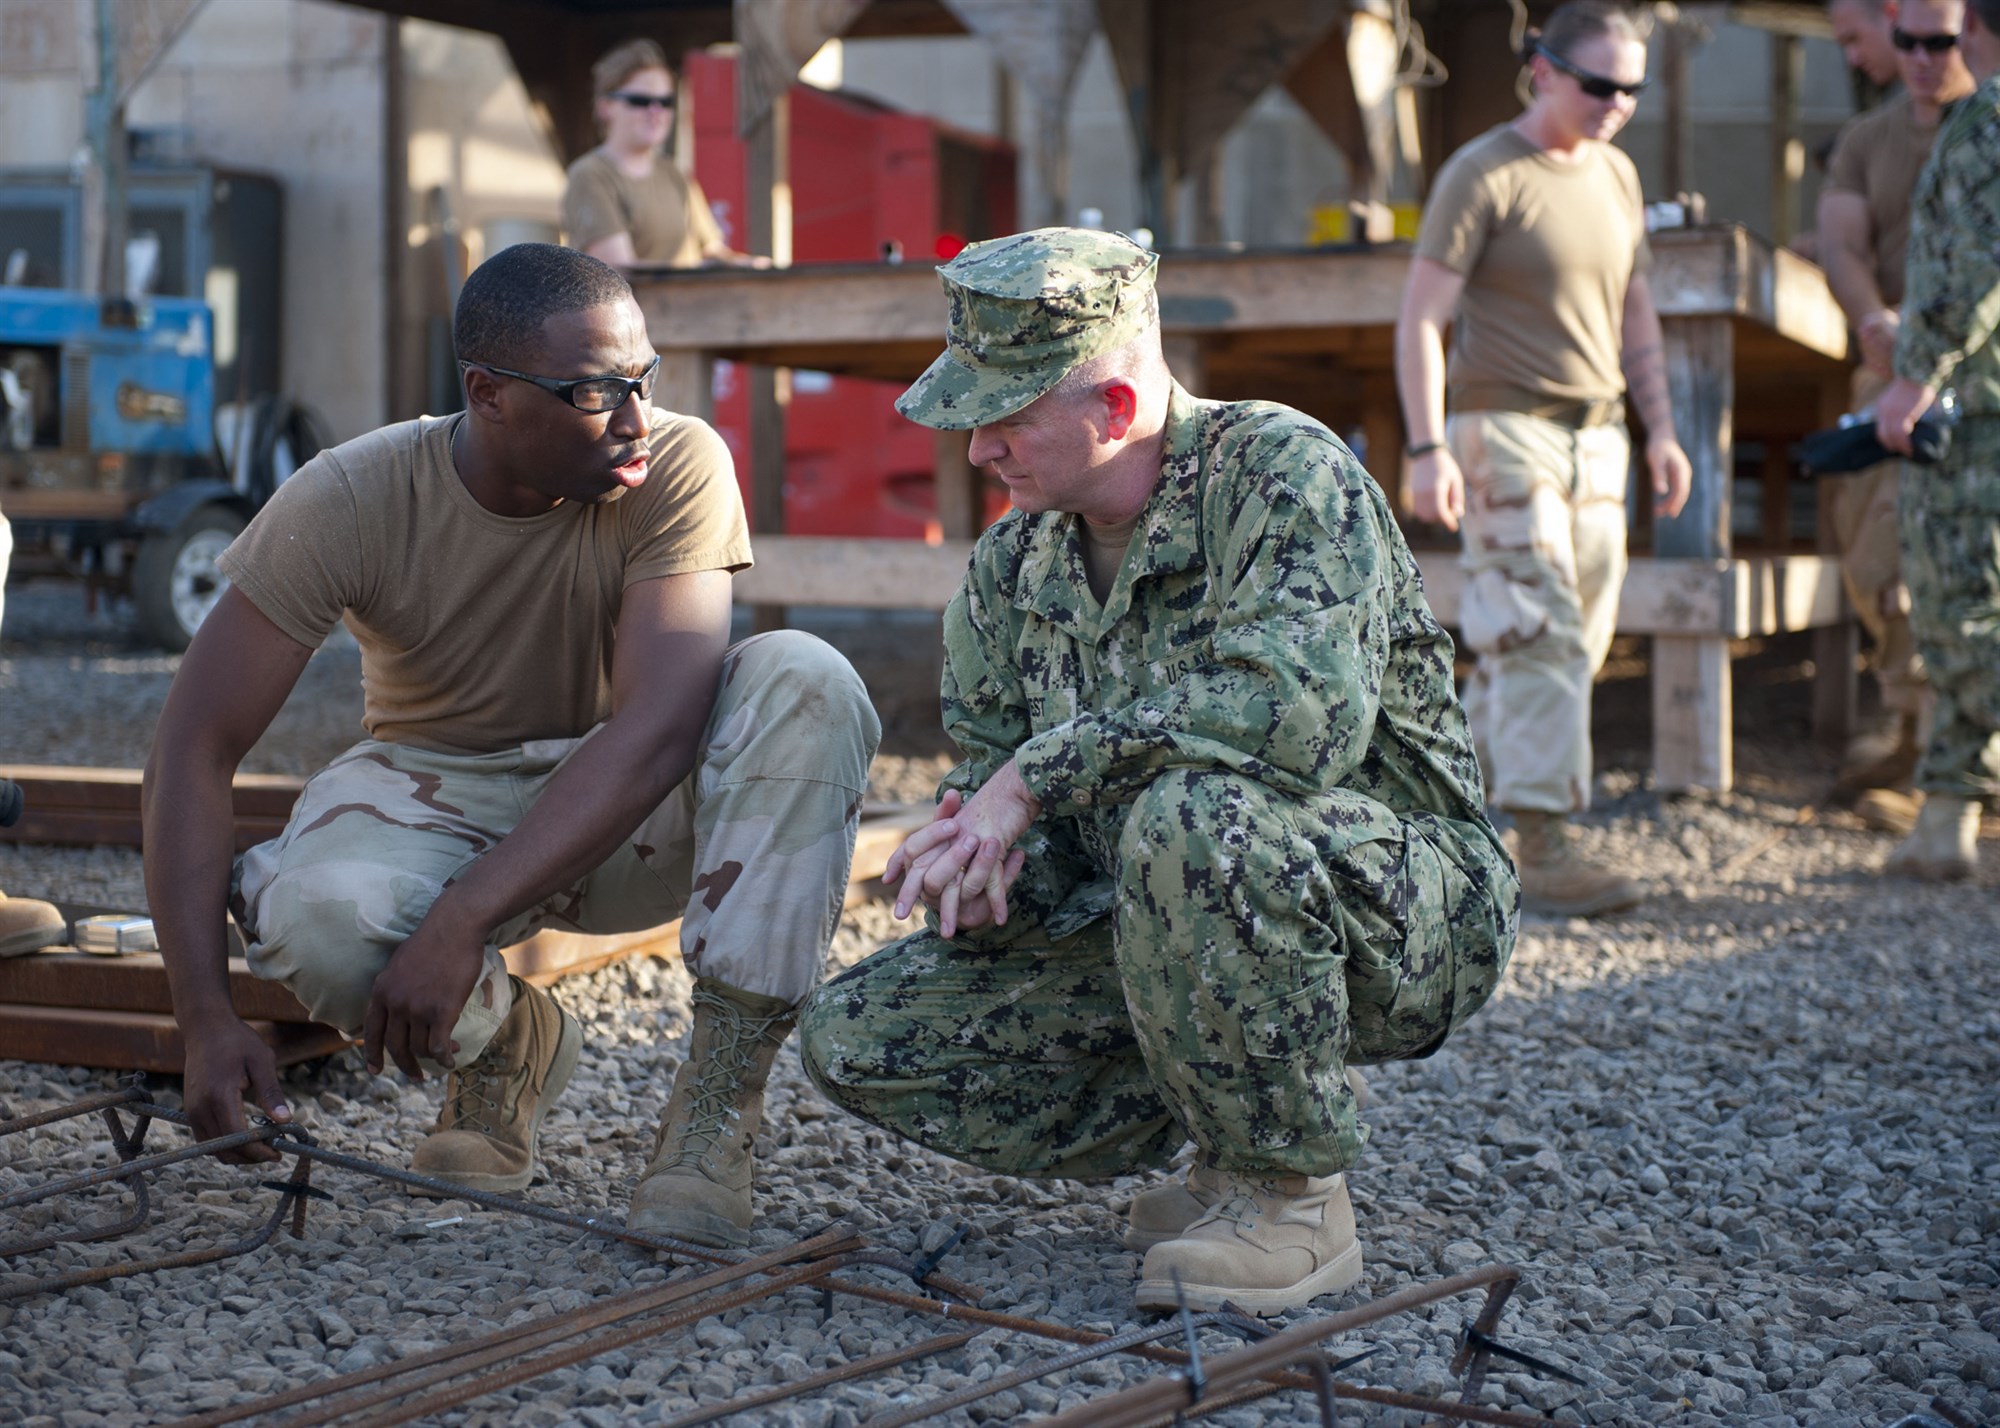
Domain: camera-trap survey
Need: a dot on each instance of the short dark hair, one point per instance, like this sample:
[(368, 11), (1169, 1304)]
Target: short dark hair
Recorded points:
[(1569, 25), (508, 297), (1988, 12)]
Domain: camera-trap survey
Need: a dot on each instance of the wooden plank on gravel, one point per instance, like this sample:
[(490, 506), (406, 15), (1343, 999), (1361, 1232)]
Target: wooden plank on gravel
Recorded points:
[(83, 806), (136, 1041), (137, 982)]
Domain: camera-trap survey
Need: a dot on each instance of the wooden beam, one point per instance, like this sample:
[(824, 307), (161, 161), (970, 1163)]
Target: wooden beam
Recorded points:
[(82, 806), (863, 574), (138, 1041), (1316, 294)]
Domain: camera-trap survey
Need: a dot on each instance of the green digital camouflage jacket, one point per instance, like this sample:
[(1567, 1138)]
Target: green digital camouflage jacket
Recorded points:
[(1267, 619), (1950, 335)]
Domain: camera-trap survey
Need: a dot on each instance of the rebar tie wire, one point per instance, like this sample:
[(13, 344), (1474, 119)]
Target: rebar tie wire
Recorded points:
[(1259, 1368)]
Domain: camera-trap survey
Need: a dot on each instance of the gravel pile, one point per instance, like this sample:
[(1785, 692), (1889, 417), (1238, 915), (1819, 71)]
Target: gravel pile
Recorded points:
[(1745, 1143)]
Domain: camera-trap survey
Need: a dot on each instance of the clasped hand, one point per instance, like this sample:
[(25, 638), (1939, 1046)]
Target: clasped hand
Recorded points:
[(963, 862), (418, 997)]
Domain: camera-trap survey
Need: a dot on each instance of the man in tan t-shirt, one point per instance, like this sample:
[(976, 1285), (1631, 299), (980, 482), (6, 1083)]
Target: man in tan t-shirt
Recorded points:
[(560, 735), (1864, 227)]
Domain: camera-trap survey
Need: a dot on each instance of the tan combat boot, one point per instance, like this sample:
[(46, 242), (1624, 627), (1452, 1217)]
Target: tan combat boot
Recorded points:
[(1166, 1211), (484, 1138), (1944, 846), (1557, 881), (697, 1187), (1268, 1245), (26, 925)]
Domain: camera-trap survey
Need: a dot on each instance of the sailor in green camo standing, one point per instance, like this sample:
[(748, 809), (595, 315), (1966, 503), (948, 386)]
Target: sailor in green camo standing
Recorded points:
[(1950, 512), (1218, 832)]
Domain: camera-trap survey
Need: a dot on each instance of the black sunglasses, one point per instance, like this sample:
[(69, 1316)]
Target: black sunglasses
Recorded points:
[(1903, 40), (596, 395), (1595, 85), (642, 101)]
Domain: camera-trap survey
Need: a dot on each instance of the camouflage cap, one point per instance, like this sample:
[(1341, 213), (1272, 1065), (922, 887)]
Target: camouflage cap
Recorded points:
[(1024, 311)]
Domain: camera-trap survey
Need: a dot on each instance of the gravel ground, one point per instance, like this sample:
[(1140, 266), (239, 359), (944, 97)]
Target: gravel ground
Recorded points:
[(1744, 1141)]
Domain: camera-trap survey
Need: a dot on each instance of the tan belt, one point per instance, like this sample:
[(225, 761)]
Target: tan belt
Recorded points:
[(1498, 397)]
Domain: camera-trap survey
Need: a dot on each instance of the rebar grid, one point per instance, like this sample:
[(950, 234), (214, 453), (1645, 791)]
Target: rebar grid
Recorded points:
[(1201, 1383)]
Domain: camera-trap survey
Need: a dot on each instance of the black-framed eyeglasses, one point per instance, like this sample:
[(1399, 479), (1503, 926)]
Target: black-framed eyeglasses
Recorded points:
[(1903, 40), (595, 395), (641, 101), (1595, 85)]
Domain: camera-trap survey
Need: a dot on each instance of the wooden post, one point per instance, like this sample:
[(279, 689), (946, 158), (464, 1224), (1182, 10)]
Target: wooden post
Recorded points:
[(961, 505), (686, 384), (1382, 435), (1678, 160), (1691, 690), (1187, 360), (1788, 150), (769, 198), (1775, 514)]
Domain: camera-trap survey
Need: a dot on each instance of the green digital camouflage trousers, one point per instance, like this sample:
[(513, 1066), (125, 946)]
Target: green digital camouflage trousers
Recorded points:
[(1257, 943), (1951, 553), (751, 850), (1861, 512), (1544, 559)]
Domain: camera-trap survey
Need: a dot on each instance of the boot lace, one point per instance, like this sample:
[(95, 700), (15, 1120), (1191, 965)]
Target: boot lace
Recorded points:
[(726, 1067), (488, 1085)]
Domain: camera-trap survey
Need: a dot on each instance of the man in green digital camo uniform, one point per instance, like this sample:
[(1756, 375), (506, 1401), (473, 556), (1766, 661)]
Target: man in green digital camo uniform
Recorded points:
[(1950, 512), (1218, 831)]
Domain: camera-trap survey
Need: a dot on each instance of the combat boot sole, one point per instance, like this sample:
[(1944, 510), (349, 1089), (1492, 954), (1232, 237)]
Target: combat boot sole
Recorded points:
[(1597, 904), (1340, 1272), (683, 1222), (569, 1047)]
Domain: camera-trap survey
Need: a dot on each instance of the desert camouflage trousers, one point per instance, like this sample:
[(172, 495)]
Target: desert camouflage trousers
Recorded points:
[(1861, 510), (1258, 943), (1544, 558), (751, 850), (1951, 554)]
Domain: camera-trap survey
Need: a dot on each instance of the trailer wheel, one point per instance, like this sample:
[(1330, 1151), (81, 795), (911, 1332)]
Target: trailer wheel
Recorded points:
[(175, 582)]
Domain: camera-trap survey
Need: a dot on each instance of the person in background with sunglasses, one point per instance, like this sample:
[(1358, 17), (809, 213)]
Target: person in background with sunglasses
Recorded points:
[(1861, 29), (627, 201), (560, 735), (1864, 230), (1950, 511), (1533, 249)]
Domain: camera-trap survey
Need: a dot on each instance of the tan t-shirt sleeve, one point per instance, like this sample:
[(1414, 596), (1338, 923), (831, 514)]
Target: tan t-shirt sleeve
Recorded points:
[(689, 514), (299, 562), (1847, 167), (1457, 218), (592, 209), (1635, 203)]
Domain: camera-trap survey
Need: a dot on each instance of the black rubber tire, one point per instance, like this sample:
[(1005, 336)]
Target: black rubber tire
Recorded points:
[(174, 579)]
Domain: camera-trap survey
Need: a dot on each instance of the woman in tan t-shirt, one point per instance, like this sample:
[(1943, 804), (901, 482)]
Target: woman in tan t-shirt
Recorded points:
[(1533, 250), (627, 202)]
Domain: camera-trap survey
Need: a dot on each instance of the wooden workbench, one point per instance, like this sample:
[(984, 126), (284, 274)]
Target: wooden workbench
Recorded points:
[(1756, 353)]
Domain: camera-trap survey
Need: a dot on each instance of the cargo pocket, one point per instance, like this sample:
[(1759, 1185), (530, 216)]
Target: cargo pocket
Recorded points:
[(1497, 614), (1409, 999), (1293, 1059)]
